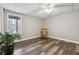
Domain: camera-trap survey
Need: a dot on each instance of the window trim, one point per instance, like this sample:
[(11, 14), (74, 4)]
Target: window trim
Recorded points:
[(20, 31)]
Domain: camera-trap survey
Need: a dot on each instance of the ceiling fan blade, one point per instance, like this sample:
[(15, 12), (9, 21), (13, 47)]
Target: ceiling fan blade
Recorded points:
[(37, 10), (61, 5)]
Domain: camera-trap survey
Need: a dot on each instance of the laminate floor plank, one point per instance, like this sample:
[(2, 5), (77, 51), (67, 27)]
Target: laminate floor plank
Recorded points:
[(50, 46)]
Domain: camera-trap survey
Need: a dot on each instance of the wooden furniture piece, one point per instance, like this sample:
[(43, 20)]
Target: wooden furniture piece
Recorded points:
[(44, 33)]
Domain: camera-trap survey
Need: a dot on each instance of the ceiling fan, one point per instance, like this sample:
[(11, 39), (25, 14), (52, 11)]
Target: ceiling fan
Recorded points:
[(48, 7)]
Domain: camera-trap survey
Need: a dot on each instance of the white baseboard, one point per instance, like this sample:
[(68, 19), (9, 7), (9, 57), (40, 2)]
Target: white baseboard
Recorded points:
[(26, 39), (64, 39), (49, 37)]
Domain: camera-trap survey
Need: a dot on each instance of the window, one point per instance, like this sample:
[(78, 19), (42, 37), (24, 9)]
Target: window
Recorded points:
[(14, 24)]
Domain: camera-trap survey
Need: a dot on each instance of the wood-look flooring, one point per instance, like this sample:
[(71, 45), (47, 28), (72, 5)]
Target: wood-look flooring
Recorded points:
[(50, 46)]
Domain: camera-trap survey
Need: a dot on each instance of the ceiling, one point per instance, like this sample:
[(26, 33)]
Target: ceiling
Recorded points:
[(37, 10)]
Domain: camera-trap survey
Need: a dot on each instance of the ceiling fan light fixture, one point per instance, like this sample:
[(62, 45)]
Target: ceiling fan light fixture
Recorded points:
[(48, 7), (48, 10)]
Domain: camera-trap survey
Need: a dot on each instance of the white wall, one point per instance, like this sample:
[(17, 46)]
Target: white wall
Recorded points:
[(64, 26), (30, 25), (0, 19)]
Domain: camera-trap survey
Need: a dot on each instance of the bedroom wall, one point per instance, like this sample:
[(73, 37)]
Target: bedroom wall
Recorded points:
[(64, 26), (0, 19), (30, 25)]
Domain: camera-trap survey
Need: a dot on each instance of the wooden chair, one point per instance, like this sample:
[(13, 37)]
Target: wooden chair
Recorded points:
[(44, 34)]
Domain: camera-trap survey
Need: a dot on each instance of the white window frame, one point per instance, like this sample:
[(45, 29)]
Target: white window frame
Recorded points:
[(20, 31)]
